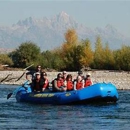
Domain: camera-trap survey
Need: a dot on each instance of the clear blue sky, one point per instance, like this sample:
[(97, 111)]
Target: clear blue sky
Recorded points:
[(91, 13)]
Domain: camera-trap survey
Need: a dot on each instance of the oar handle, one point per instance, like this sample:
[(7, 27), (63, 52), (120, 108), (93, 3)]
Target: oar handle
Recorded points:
[(28, 67), (24, 72)]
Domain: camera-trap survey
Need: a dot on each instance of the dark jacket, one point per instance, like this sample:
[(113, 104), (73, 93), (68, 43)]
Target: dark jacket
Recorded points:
[(37, 86)]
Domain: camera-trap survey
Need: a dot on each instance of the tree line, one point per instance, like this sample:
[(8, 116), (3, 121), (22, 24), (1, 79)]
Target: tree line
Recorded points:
[(72, 55)]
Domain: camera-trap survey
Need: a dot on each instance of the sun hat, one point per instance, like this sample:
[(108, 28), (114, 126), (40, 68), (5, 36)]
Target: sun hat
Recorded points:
[(88, 74), (37, 73), (64, 72)]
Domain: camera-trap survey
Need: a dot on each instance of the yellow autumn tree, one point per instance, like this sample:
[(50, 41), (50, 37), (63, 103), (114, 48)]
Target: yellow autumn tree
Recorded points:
[(71, 37), (71, 40), (68, 48), (87, 55)]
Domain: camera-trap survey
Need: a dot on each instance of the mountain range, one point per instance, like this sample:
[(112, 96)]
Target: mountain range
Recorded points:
[(49, 33)]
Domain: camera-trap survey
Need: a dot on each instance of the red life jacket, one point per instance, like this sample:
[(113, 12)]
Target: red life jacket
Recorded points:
[(79, 85), (46, 83), (60, 82), (87, 82), (70, 85)]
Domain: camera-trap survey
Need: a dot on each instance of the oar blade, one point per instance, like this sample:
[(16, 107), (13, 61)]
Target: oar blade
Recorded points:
[(9, 95)]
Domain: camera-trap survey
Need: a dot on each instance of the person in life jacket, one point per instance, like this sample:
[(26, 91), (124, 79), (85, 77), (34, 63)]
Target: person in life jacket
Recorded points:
[(69, 83), (45, 81), (80, 73), (58, 84), (28, 82), (37, 83), (38, 69), (79, 83), (28, 79), (64, 73), (88, 80)]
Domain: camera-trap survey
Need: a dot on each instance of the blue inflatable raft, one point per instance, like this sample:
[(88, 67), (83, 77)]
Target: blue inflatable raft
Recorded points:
[(100, 92)]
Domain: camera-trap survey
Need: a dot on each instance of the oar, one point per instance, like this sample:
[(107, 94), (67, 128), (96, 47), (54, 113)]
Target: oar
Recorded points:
[(5, 78), (23, 72), (28, 67), (20, 76), (9, 95)]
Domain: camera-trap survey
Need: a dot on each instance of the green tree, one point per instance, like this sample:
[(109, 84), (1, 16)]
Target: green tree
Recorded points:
[(5, 59), (108, 58), (26, 54), (52, 59), (98, 54), (75, 56), (117, 58), (103, 56), (46, 59), (122, 58)]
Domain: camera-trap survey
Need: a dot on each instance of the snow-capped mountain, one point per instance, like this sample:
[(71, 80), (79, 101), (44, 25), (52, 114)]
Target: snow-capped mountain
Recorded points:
[(49, 33)]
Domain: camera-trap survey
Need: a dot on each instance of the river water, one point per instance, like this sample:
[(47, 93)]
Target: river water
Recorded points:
[(14, 115)]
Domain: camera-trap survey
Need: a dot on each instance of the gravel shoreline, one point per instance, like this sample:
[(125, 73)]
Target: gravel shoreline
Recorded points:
[(120, 79)]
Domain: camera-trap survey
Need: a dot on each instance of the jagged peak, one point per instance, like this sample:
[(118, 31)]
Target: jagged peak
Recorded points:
[(27, 22), (50, 29), (63, 14), (110, 28)]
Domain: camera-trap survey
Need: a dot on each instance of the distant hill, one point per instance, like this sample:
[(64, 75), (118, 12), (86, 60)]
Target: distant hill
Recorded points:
[(49, 33)]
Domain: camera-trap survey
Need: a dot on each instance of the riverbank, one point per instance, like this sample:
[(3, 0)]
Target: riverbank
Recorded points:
[(120, 79)]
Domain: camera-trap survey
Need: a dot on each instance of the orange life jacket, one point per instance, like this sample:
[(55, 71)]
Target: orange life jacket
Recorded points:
[(70, 85), (79, 85), (87, 82)]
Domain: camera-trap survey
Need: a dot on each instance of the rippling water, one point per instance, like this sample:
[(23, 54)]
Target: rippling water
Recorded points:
[(24, 116)]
